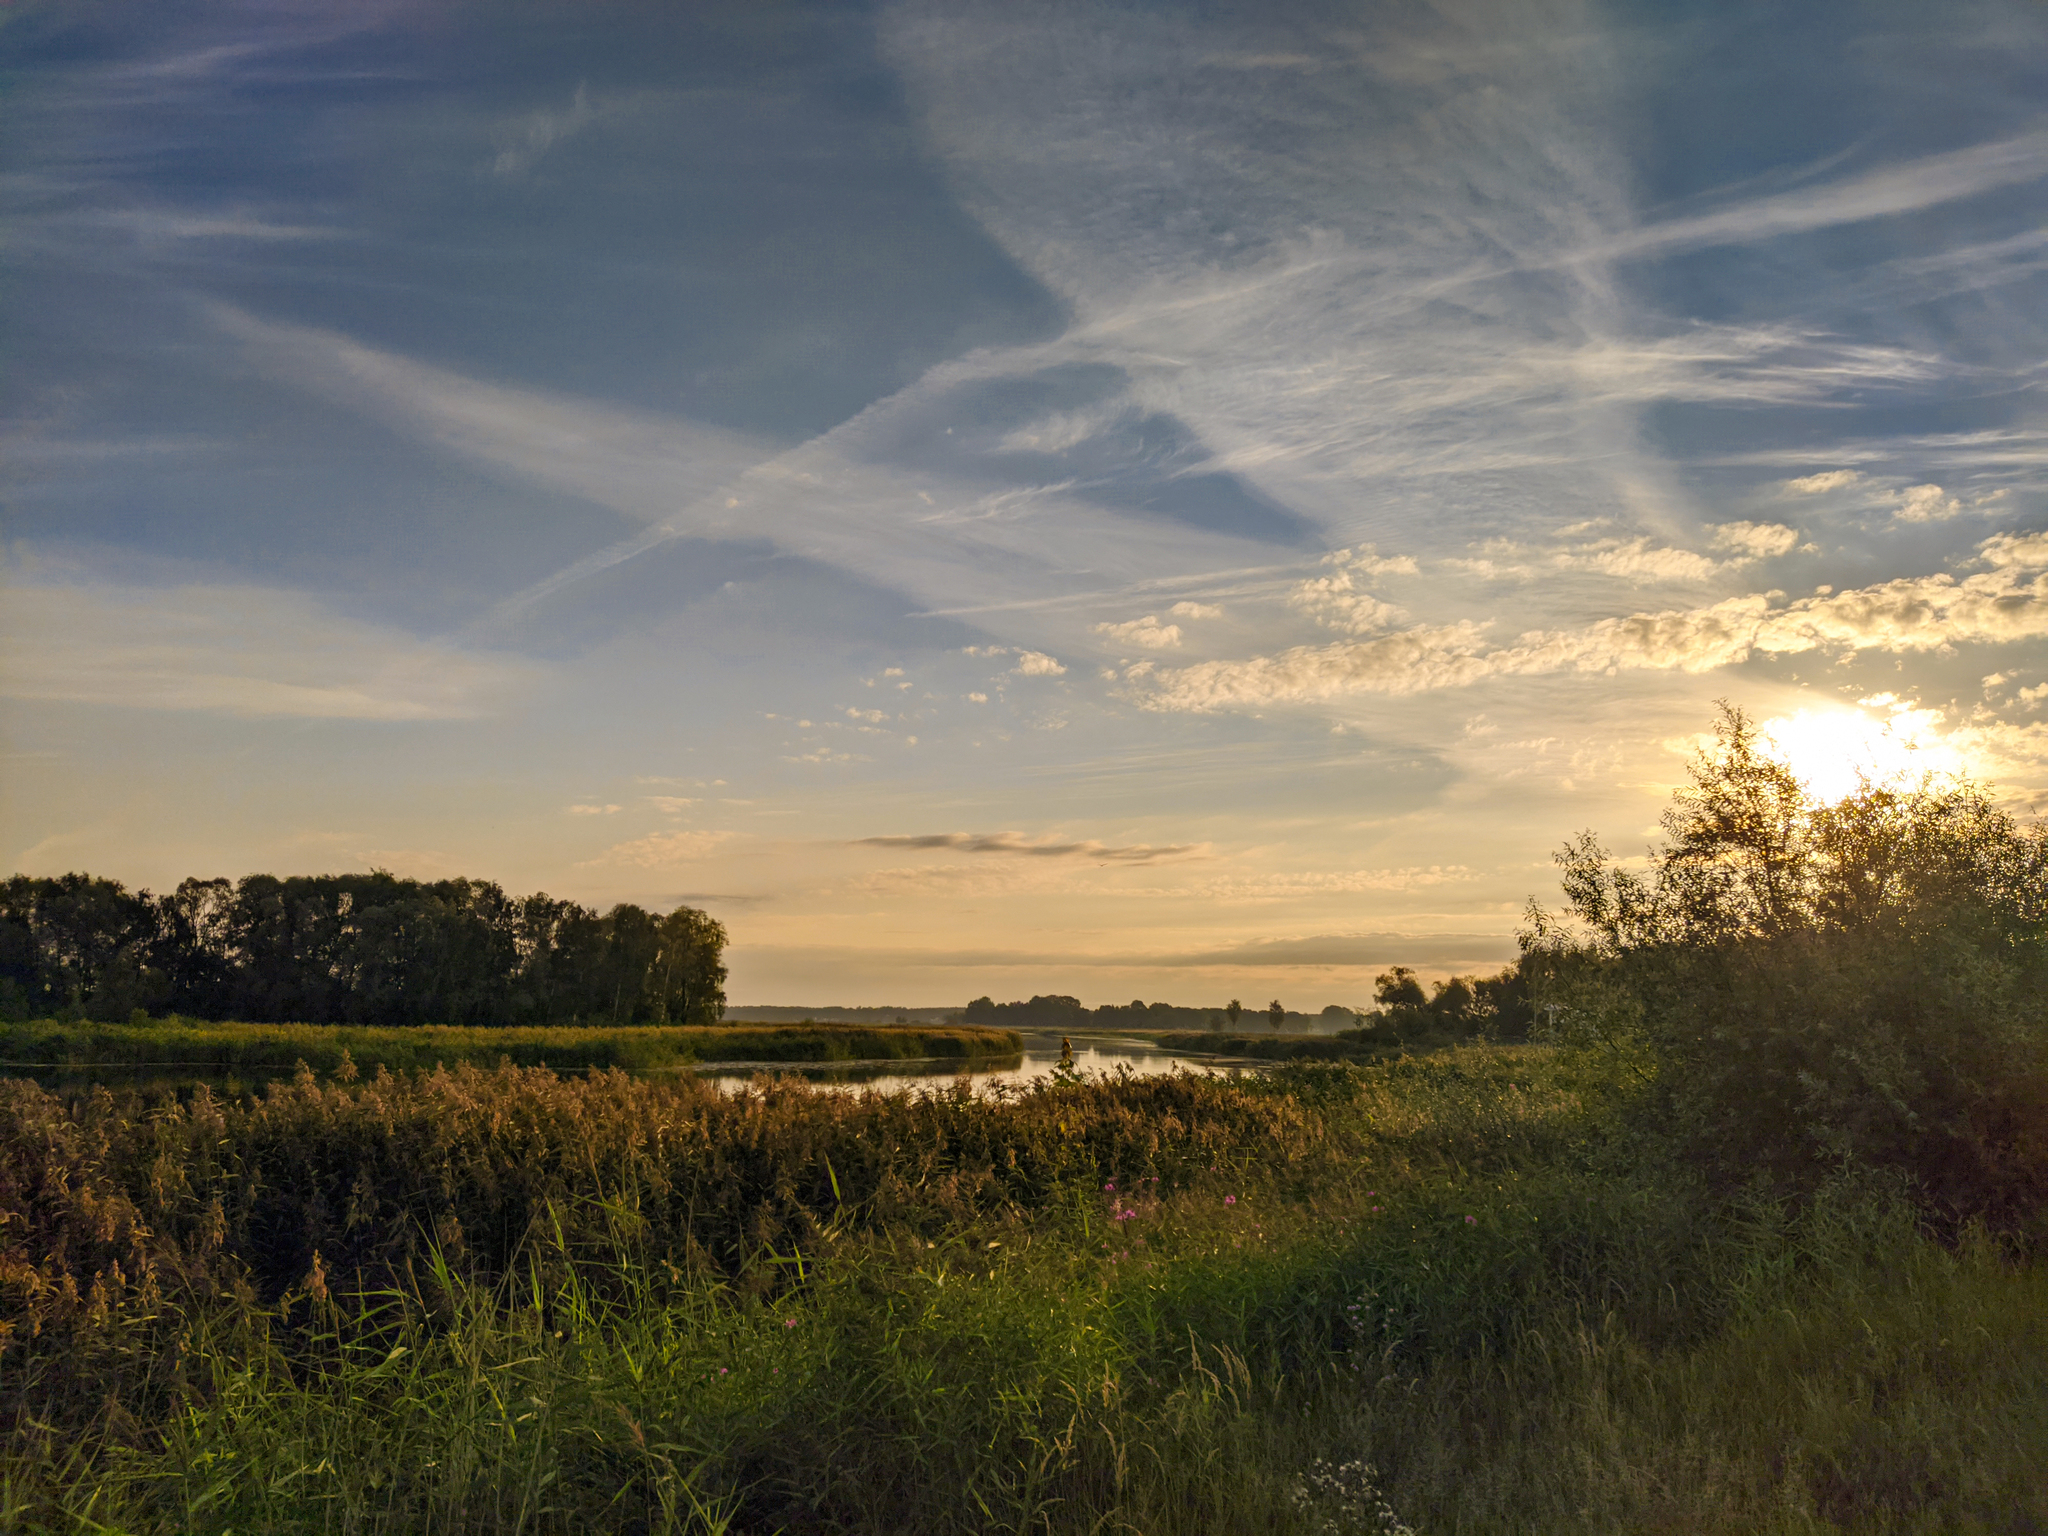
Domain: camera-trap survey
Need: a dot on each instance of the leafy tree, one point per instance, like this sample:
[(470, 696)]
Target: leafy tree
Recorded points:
[(1398, 988), (1811, 987), (686, 982), (1275, 1014), (1235, 1010)]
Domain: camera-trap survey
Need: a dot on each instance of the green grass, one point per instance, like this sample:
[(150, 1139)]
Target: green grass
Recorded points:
[(251, 1048), (606, 1305)]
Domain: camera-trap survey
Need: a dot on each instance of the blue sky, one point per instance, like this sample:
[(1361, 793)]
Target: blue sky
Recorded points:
[(1132, 500)]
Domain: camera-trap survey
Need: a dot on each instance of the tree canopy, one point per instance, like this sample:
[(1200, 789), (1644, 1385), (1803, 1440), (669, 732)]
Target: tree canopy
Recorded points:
[(357, 949)]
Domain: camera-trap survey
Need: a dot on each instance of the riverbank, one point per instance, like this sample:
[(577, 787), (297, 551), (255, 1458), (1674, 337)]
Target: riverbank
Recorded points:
[(256, 1048)]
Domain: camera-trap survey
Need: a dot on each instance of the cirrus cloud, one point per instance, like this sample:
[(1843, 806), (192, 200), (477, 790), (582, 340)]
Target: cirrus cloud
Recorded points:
[(1035, 847)]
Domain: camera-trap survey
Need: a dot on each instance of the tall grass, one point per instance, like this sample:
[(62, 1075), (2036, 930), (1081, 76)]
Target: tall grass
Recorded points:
[(251, 1048), (1143, 1305)]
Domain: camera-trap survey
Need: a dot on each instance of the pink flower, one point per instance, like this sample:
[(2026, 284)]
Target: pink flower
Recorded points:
[(721, 1370), (789, 1322), (1230, 1199), (1471, 1221), (1109, 1186)]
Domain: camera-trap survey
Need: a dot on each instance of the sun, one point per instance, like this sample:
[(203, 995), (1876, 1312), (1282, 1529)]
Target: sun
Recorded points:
[(1835, 750)]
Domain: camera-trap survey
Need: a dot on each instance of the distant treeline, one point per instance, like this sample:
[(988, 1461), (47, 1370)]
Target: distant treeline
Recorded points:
[(1460, 1007), (350, 949), (880, 1013)]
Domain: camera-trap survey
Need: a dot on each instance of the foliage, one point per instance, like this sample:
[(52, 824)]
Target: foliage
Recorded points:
[(356, 949), (1819, 986)]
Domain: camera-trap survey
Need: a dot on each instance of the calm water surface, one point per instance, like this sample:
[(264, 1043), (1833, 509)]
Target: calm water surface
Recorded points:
[(1093, 1052)]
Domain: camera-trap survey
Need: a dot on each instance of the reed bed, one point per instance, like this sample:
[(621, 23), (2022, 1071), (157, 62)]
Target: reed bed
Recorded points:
[(1458, 1293), (199, 1045)]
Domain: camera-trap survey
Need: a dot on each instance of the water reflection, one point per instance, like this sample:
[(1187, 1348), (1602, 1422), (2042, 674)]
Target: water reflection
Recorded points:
[(1093, 1052)]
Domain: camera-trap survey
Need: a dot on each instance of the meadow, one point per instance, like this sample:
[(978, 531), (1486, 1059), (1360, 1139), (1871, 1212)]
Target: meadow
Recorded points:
[(1461, 1292), (205, 1045)]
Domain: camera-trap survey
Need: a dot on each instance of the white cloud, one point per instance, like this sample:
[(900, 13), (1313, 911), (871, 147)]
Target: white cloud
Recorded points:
[(1822, 483), (595, 810), (1926, 504), (1038, 664), (1754, 541), (236, 650), (1638, 561), (1338, 601), (1367, 561), (1147, 633), (1196, 611), (2007, 602), (670, 805)]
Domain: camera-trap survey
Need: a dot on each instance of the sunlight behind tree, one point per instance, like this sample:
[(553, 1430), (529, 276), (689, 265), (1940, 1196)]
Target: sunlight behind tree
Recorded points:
[(1832, 751)]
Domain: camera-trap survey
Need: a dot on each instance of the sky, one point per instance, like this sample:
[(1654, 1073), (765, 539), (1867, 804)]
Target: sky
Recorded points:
[(1163, 501)]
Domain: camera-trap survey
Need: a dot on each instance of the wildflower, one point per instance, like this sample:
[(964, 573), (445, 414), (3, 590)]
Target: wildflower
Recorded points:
[(1110, 1186), (789, 1322), (1230, 1199), (721, 1370), (1471, 1221)]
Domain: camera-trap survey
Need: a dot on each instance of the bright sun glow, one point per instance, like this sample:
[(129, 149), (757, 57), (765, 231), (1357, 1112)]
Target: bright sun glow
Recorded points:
[(1833, 750)]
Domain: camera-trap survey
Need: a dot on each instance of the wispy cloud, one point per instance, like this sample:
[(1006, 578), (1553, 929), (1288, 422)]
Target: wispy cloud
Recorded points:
[(658, 850), (1036, 847), (237, 650), (1926, 182)]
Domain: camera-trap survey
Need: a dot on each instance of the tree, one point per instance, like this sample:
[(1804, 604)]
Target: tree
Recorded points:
[(1235, 1010), (686, 979), (1398, 988), (1275, 1014)]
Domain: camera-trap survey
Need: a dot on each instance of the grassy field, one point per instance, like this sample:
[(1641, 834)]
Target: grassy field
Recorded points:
[(279, 1047), (1456, 1293)]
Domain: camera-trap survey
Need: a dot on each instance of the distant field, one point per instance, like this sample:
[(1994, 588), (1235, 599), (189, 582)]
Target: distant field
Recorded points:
[(259, 1047), (744, 1013)]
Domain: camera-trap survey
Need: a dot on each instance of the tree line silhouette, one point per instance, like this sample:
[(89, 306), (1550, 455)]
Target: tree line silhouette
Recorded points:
[(350, 949)]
